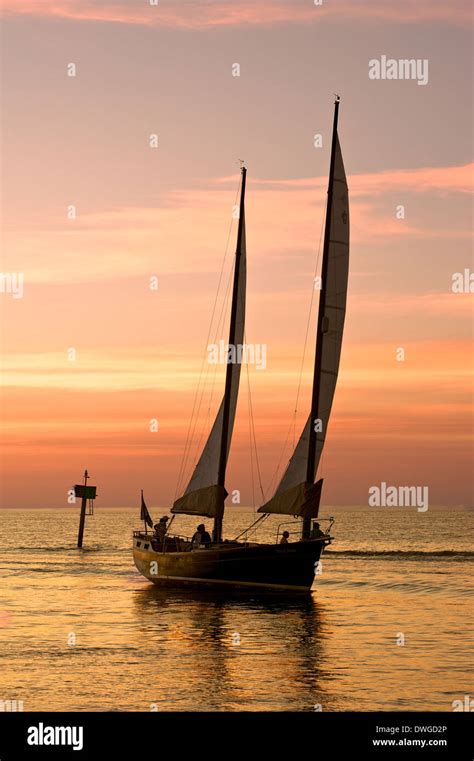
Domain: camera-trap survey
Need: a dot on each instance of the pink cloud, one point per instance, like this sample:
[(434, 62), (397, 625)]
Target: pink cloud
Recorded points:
[(424, 304), (444, 178), (215, 13), (283, 216)]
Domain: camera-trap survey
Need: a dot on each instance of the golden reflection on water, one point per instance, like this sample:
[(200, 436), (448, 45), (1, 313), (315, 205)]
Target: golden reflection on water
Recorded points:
[(237, 647), (136, 647)]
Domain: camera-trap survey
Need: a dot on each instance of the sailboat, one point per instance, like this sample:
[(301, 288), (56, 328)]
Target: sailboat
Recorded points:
[(241, 563)]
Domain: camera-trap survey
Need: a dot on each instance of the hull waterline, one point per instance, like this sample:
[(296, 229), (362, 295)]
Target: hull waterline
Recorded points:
[(289, 567)]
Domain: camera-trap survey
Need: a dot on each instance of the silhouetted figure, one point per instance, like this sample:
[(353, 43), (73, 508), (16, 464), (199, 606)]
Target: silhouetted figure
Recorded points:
[(316, 531), (284, 538), (201, 536), (161, 528)]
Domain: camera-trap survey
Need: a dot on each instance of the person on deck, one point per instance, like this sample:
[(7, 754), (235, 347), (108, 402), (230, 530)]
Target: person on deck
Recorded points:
[(161, 528), (201, 536), (316, 531), (284, 538)]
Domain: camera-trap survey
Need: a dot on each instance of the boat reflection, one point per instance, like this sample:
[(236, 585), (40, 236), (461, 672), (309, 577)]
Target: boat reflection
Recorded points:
[(234, 651)]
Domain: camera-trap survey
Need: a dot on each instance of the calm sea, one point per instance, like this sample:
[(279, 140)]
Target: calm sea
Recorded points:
[(81, 630)]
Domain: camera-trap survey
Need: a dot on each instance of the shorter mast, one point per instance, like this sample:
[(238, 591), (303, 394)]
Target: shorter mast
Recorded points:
[(217, 532), (205, 493)]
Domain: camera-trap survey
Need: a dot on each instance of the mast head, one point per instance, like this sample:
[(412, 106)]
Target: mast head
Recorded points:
[(337, 98)]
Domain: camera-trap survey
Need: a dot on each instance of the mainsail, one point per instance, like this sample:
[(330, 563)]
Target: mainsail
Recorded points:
[(296, 493), (205, 493)]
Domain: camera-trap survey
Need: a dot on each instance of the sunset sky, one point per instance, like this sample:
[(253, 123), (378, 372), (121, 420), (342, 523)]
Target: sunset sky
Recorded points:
[(166, 69)]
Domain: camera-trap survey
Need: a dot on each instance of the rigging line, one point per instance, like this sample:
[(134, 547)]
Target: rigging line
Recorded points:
[(200, 391), (251, 455), (225, 307), (309, 314), (249, 409), (308, 321), (207, 341), (249, 405), (257, 461), (204, 427), (194, 413), (257, 525), (260, 519), (222, 321), (205, 424), (275, 474)]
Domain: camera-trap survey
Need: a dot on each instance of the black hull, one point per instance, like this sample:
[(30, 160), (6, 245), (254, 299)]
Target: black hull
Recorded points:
[(263, 566)]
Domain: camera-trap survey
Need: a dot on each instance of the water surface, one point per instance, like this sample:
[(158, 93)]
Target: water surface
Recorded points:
[(81, 630)]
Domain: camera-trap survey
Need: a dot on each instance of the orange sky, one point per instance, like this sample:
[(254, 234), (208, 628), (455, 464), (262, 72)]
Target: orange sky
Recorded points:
[(166, 212)]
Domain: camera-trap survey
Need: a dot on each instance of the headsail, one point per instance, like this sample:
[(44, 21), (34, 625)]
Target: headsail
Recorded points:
[(295, 494), (205, 493)]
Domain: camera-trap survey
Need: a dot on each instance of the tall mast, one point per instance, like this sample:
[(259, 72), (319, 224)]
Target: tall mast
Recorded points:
[(310, 474), (217, 534)]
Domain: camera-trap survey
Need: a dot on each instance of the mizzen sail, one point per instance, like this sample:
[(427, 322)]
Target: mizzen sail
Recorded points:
[(205, 493), (296, 493)]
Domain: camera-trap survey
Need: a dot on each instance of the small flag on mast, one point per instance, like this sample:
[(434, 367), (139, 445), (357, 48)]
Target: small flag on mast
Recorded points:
[(144, 514)]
